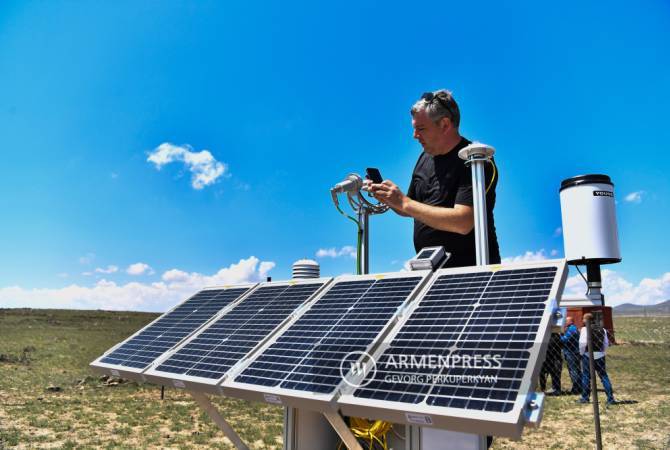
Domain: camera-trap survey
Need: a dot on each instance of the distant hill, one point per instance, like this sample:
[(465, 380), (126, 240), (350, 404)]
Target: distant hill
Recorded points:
[(630, 309)]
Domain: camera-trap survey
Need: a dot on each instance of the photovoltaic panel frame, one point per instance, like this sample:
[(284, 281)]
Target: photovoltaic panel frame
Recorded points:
[(505, 310), (300, 366), (204, 360), (134, 355)]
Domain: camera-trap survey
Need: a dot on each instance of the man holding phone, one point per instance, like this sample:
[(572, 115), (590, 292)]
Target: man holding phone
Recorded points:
[(439, 198)]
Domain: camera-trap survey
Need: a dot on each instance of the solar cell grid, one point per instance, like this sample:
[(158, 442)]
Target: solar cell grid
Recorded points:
[(141, 350), (213, 351), (348, 317), (467, 316)]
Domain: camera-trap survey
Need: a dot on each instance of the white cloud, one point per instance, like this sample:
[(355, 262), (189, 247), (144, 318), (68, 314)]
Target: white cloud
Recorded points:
[(333, 252), (539, 255), (244, 271), (618, 290), (558, 231), (174, 287), (204, 168), (553, 252), (635, 197), (87, 258), (108, 269), (139, 268)]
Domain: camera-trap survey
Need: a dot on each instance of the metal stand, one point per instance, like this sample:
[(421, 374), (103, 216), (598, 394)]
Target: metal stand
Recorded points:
[(476, 155), (594, 387), (215, 415), (352, 186), (364, 224), (594, 283), (342, 430)]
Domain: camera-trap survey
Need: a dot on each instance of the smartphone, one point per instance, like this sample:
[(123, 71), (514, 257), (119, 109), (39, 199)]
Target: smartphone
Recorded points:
[(373, 174)]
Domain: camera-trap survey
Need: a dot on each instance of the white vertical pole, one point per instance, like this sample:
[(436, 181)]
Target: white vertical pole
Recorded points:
[(477, 155)]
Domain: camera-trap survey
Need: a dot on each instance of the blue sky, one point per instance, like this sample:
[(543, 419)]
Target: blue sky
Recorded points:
[(289, 98)]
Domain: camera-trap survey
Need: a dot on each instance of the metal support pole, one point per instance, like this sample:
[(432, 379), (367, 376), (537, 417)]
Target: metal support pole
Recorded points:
[(342, 430), (594, 387), (215, 415), (476, 155), (364, 220), (479, 201), (594, 282)]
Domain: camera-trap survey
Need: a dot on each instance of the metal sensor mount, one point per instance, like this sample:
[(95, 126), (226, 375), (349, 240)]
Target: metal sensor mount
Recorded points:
[(429, 258)]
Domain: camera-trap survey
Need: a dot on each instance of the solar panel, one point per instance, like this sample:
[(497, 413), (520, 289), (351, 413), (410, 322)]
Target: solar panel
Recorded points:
[(136, 353), (208, 355), (304, 359), (465, 355)]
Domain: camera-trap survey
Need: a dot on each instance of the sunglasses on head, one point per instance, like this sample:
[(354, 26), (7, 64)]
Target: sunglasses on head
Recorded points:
[(430, 96)]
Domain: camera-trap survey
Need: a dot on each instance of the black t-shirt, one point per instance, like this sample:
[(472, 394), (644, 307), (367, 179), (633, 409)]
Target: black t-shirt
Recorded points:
[(445, 180)]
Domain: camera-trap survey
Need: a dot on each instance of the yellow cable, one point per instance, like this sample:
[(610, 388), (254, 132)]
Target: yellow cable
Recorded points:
[(495, 172), (373, 432)]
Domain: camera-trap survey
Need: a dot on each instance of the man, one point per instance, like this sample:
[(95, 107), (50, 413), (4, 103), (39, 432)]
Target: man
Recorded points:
[(600, 344), (553, 366), (439, 198), (570, 341)]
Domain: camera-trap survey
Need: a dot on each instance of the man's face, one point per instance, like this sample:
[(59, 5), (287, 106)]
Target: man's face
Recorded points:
[(430, 135), (569, 321)]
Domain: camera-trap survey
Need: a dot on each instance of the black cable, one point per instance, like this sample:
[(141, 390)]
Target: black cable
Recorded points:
[(583, 278)]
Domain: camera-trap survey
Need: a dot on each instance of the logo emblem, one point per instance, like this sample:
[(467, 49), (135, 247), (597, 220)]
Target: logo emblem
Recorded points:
[(358, 369)]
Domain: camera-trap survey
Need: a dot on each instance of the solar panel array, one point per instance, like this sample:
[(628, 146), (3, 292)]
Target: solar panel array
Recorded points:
[(215, 349), (141, 350), (346, 318), (462, 314), (465, 315)]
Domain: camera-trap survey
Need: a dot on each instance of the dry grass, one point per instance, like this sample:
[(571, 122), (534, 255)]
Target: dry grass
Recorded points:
[(45, 348)]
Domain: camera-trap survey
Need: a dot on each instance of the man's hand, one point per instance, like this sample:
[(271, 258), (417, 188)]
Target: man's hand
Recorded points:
[(459, 219), (389, 193)]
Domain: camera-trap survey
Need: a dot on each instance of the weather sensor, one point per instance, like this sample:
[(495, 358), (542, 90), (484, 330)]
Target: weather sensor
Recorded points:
[(590, 234), (429, 258)]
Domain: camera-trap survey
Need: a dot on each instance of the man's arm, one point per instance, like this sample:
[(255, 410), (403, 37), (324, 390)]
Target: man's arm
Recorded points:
[(459, 219), (571, 331)]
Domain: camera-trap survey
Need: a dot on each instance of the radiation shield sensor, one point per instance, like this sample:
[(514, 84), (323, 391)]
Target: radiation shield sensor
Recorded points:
[(429, 258)]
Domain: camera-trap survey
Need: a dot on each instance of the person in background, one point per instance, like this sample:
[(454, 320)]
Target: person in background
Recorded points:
[(600, 344), (553, 365), (570, 341)]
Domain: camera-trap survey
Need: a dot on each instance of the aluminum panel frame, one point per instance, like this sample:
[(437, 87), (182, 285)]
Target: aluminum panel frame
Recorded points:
[(209, 385), (136, 374), (304, 399), (508, 424)]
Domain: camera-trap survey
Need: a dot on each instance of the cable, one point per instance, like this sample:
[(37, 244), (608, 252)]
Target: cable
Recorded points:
[(398, 435), (493, 177), (584, 278), (360, 237), (359, 248), (371, 433)]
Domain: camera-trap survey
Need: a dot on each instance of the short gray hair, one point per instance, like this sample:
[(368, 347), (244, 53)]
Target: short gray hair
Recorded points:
[(441, 105)]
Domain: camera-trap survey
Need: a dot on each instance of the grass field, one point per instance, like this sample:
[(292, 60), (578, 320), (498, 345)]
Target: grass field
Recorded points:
[(50, 399)]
